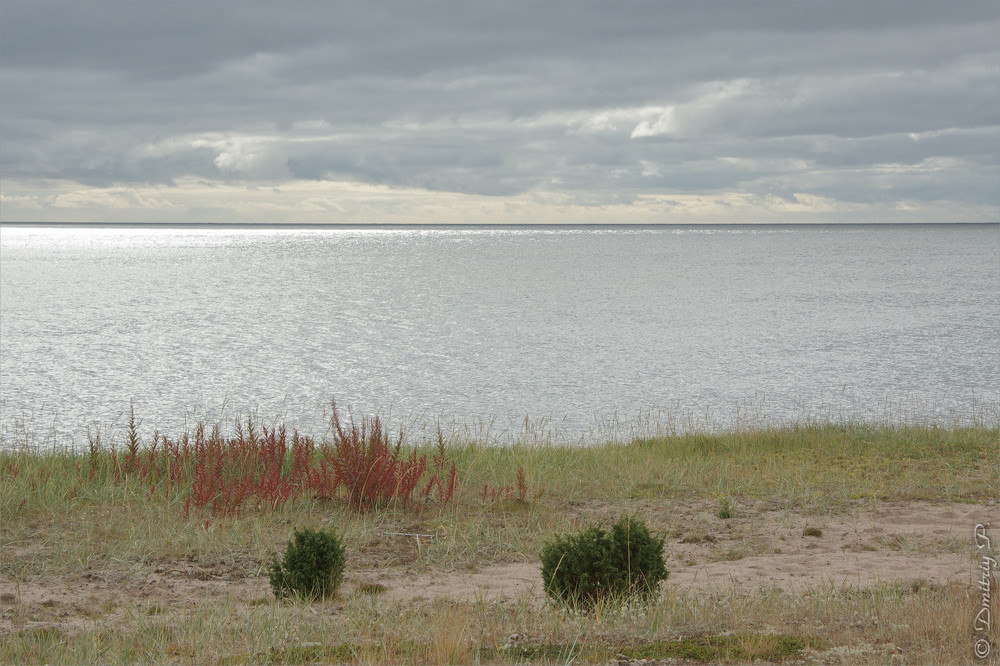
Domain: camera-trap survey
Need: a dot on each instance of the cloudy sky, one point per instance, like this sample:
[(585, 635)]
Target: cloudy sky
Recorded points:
[(504, 112)]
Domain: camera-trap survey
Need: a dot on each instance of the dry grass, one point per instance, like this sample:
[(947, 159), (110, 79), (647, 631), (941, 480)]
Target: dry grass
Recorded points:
[(885, 624), (58, 519)]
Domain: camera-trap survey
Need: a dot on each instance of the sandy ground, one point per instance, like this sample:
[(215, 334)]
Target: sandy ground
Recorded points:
[(909, 543)]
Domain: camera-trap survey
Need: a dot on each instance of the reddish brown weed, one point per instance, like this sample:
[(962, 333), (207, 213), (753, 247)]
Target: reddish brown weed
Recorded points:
[(369, 467), (517, 492), (260, 467)]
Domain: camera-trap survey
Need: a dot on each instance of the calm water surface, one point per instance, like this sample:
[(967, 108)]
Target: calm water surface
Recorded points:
[(583, 330)]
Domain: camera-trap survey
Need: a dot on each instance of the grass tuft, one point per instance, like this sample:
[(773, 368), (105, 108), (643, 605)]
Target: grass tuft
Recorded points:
[(728, 648)]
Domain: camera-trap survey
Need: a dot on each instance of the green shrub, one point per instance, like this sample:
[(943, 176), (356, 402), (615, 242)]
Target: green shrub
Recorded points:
[(593, 566), (312, 567)]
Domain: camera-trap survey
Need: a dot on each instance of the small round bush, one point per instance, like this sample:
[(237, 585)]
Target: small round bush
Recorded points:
[(312, 567), (594, 566)]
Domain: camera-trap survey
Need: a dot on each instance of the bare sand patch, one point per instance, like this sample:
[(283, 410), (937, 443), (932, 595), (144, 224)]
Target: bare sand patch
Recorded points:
[(907, 542), (904, 542)]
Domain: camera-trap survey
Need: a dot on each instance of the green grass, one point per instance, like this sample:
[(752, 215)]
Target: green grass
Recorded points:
[(744, 648), (71, 513), (50, 499)]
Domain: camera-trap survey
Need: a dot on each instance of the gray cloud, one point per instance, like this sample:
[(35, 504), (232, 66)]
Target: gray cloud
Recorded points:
[(854, 101)]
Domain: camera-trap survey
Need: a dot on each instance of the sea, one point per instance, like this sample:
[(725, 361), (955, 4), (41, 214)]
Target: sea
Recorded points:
[(507, 334)]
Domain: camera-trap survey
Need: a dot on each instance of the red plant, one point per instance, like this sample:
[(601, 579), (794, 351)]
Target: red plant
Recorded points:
[(522, 486), (369, 467), (492, 494), (446, 490), (261, 467)]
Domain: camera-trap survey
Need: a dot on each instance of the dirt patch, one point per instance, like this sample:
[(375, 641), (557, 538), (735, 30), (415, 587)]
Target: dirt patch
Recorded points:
[(908, 543), (759, 547)]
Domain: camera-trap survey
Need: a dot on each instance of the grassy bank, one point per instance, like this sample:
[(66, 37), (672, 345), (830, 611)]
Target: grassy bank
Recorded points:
[(118, 515)]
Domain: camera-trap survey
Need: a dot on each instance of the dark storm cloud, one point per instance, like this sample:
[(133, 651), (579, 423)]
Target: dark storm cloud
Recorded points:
[(853, 101)]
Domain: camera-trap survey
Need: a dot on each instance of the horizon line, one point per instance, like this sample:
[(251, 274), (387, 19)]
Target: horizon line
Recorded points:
[(425, 225)]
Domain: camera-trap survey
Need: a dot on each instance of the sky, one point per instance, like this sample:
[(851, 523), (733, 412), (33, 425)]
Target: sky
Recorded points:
[(501, 112)]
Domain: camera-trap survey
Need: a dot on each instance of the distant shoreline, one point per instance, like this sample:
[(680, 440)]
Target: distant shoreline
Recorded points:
[(540, 226)]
